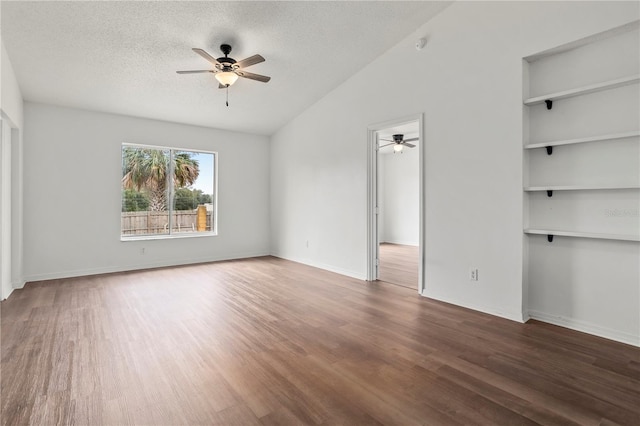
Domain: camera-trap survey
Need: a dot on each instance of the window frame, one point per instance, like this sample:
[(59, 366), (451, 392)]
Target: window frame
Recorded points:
[(171, 195)]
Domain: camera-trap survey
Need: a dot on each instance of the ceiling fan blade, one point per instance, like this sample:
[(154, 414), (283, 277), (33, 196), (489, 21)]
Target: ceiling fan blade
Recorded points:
[(412, 139), (193, 72), (382, 146), (410, 145), (387, 140), (252, 76), (251, 60), (221, 86), (205, 55)]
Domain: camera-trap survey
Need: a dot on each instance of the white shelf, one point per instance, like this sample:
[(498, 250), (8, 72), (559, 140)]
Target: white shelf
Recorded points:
[(609, 137), (578, 187), (556, 232), (597, 87)]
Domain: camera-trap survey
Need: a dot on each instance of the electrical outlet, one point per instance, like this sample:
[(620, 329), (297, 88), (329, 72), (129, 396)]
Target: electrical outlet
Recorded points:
[(473, 274)]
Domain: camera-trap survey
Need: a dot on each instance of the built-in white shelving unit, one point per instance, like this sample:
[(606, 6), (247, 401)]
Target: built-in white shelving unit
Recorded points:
[(584, 90), (600, 138), (579, 187), (581, 138), (556, 232), (539, 77)]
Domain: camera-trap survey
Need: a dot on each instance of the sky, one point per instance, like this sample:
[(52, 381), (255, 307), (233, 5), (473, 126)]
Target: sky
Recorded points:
[(205, 179)]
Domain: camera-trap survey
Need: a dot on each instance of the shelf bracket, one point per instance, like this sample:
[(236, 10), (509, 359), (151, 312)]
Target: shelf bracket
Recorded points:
[(549, 192), (549, 103), (549, 150), (550, 238)]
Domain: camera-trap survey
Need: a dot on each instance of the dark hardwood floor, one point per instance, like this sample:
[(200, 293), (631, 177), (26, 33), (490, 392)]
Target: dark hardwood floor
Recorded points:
[(399, 265), (266, 341)]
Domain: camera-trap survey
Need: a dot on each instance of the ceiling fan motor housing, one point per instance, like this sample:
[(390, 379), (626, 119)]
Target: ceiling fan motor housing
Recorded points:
[(398, 138), (226, 61)]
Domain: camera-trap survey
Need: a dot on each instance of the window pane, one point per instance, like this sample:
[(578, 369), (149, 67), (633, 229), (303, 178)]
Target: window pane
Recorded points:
[(145, 191), (193, 194)]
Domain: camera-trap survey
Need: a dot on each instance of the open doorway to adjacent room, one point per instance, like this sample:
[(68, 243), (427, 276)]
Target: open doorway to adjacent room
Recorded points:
[(396, 216)]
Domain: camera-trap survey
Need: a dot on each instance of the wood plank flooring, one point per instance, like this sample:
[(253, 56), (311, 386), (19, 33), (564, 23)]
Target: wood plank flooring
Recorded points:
[(399, 265), (266, 341)]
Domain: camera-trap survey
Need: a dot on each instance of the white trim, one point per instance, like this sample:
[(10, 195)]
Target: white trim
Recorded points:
[(633, 25), (372, 208), (16, 280), (599, 138), (10, 291), (559, 233), (150, 265), (148, 237), (513, 316), (372, 194), (584, 90), (6, 223), (585, 327), (174, 148), (579, 187)]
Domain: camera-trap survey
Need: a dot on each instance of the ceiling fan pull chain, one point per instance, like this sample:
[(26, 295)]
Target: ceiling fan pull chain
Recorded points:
[(227, 95)]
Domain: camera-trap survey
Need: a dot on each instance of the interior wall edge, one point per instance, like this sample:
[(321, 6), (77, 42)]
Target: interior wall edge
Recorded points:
[(320, 265), (586, 327), (520, 317)]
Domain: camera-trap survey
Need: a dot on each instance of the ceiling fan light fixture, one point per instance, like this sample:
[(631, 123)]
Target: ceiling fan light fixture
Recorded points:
[(226, 78), (397, 147)]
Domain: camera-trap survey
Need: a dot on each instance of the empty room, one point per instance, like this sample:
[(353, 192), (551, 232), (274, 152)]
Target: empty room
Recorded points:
[(320, 213)]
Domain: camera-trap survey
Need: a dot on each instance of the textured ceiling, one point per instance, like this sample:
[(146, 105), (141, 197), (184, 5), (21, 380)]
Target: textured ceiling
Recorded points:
[(121, 57)]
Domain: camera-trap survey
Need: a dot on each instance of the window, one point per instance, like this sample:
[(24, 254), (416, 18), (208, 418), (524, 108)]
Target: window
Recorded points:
[(167, 192)]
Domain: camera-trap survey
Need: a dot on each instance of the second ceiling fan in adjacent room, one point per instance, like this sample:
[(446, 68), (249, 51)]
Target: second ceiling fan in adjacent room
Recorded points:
[(399, 142)]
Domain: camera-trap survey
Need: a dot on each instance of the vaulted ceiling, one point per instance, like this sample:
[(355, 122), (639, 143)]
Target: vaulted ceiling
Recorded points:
[(122, 57)]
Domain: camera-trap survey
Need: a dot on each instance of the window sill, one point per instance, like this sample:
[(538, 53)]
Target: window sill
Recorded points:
[(168, 237)]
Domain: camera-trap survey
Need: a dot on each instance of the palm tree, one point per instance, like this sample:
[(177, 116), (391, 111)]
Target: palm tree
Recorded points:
[(146, 169)]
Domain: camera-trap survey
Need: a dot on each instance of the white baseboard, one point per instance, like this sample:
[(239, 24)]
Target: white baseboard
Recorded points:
[(586, 327), (18, 285), (14, 286), (402, 243), (7, 296), (326, 267), (513, 316), (149, 265)]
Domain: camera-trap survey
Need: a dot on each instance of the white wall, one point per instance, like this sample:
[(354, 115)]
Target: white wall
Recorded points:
[(72, 200), (11, 109), (12, 104), (468, 82), (400, 203)]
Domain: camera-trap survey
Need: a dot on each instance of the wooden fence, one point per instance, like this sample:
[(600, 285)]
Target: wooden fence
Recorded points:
[(145, 223)]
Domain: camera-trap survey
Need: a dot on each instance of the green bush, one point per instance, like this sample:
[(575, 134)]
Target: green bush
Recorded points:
[(134, 201)]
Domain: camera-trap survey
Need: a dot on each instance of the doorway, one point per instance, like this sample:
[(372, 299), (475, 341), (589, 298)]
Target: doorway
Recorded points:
[(395, 195)]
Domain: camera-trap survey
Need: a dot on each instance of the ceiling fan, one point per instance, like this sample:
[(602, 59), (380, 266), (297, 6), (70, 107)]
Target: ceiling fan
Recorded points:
[(227, 70), (399, 142)]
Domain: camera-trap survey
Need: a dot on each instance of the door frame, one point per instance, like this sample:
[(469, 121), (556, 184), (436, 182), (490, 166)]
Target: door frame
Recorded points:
[(5, 208), (372, 196)]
